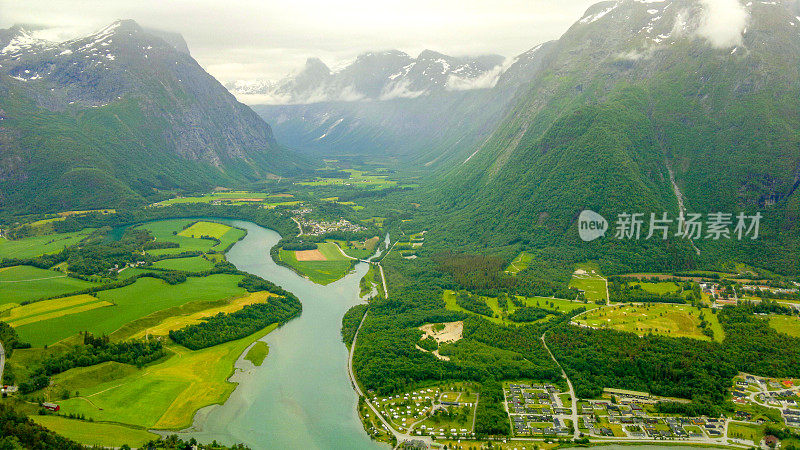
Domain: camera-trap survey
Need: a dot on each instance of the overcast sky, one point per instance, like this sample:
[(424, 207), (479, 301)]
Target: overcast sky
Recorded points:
[(267, 39)]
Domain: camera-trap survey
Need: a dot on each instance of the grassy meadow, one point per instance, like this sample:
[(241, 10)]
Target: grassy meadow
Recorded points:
[(587, 278), (786, 324), (656, 318), (191, 264), (358, 178), (93, 433), (519, 263), (33, 246), (500, 317), (331, 266), (164, 395), (26, 283), (258, 353), (51, 309), (173, 231), (145, 296)]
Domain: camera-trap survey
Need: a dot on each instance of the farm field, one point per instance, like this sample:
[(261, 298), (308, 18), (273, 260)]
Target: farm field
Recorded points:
[(663, 287), (352, 205), (233, 197), (200, 229), (191, 264), (164, 395), (93, 433), (358, 178), (664, 319), (50, 309), (786, 324), (163, 231), (179, 321), (323, 266), (26, 283), (145, 296), (519, 263), (33, 246), (588, 279)]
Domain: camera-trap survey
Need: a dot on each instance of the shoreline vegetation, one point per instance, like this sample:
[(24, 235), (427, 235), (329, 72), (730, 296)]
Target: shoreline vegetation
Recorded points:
[(209, 315), (187, 251)]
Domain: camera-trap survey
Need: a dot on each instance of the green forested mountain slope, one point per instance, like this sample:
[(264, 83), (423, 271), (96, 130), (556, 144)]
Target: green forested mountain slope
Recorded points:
[(632, 91), (107, 119)]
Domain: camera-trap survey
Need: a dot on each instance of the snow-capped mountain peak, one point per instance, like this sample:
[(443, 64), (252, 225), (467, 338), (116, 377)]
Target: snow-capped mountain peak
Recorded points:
[(383, 75)]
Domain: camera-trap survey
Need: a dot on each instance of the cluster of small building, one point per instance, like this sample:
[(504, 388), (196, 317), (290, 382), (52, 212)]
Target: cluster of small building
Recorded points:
[(118, 269), (533, 410), (777, 394), (754, 288), (313, 227)]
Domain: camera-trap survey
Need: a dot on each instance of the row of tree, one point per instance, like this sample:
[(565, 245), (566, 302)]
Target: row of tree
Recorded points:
[(230, 327)]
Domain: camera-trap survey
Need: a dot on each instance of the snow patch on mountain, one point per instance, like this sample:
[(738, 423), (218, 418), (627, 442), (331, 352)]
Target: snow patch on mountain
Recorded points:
[(597, 16), (381, 76)]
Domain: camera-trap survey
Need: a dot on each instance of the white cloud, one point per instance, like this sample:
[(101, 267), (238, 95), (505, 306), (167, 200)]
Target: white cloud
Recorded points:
[(266, 39), (723, 22), (485, 81), (399, 90)]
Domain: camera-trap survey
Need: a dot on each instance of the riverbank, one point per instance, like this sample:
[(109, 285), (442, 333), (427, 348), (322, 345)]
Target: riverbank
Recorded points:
[(300, 397)]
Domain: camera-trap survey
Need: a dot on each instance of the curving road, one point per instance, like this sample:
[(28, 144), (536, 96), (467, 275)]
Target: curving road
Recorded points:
[(398, 435), (575, 420), (2, 361)]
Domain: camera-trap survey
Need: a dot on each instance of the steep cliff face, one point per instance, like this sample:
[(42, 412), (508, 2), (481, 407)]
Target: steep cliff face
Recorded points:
[(634, 94), (128, 104)]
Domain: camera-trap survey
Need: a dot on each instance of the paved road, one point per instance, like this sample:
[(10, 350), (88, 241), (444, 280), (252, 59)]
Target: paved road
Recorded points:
[(576, 430), (398, 435), (2, 361)]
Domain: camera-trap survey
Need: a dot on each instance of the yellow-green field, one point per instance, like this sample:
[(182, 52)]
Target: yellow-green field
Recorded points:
[(211, 229), (329, 267), (664, 319), (171, 231), (500, 317), (587, 278), (358, 178), (179, 321), (145, 296), (93, 433), (519, 263), (231, 197), (167, 394), (50, 309), (786, 324), (191, 264)]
